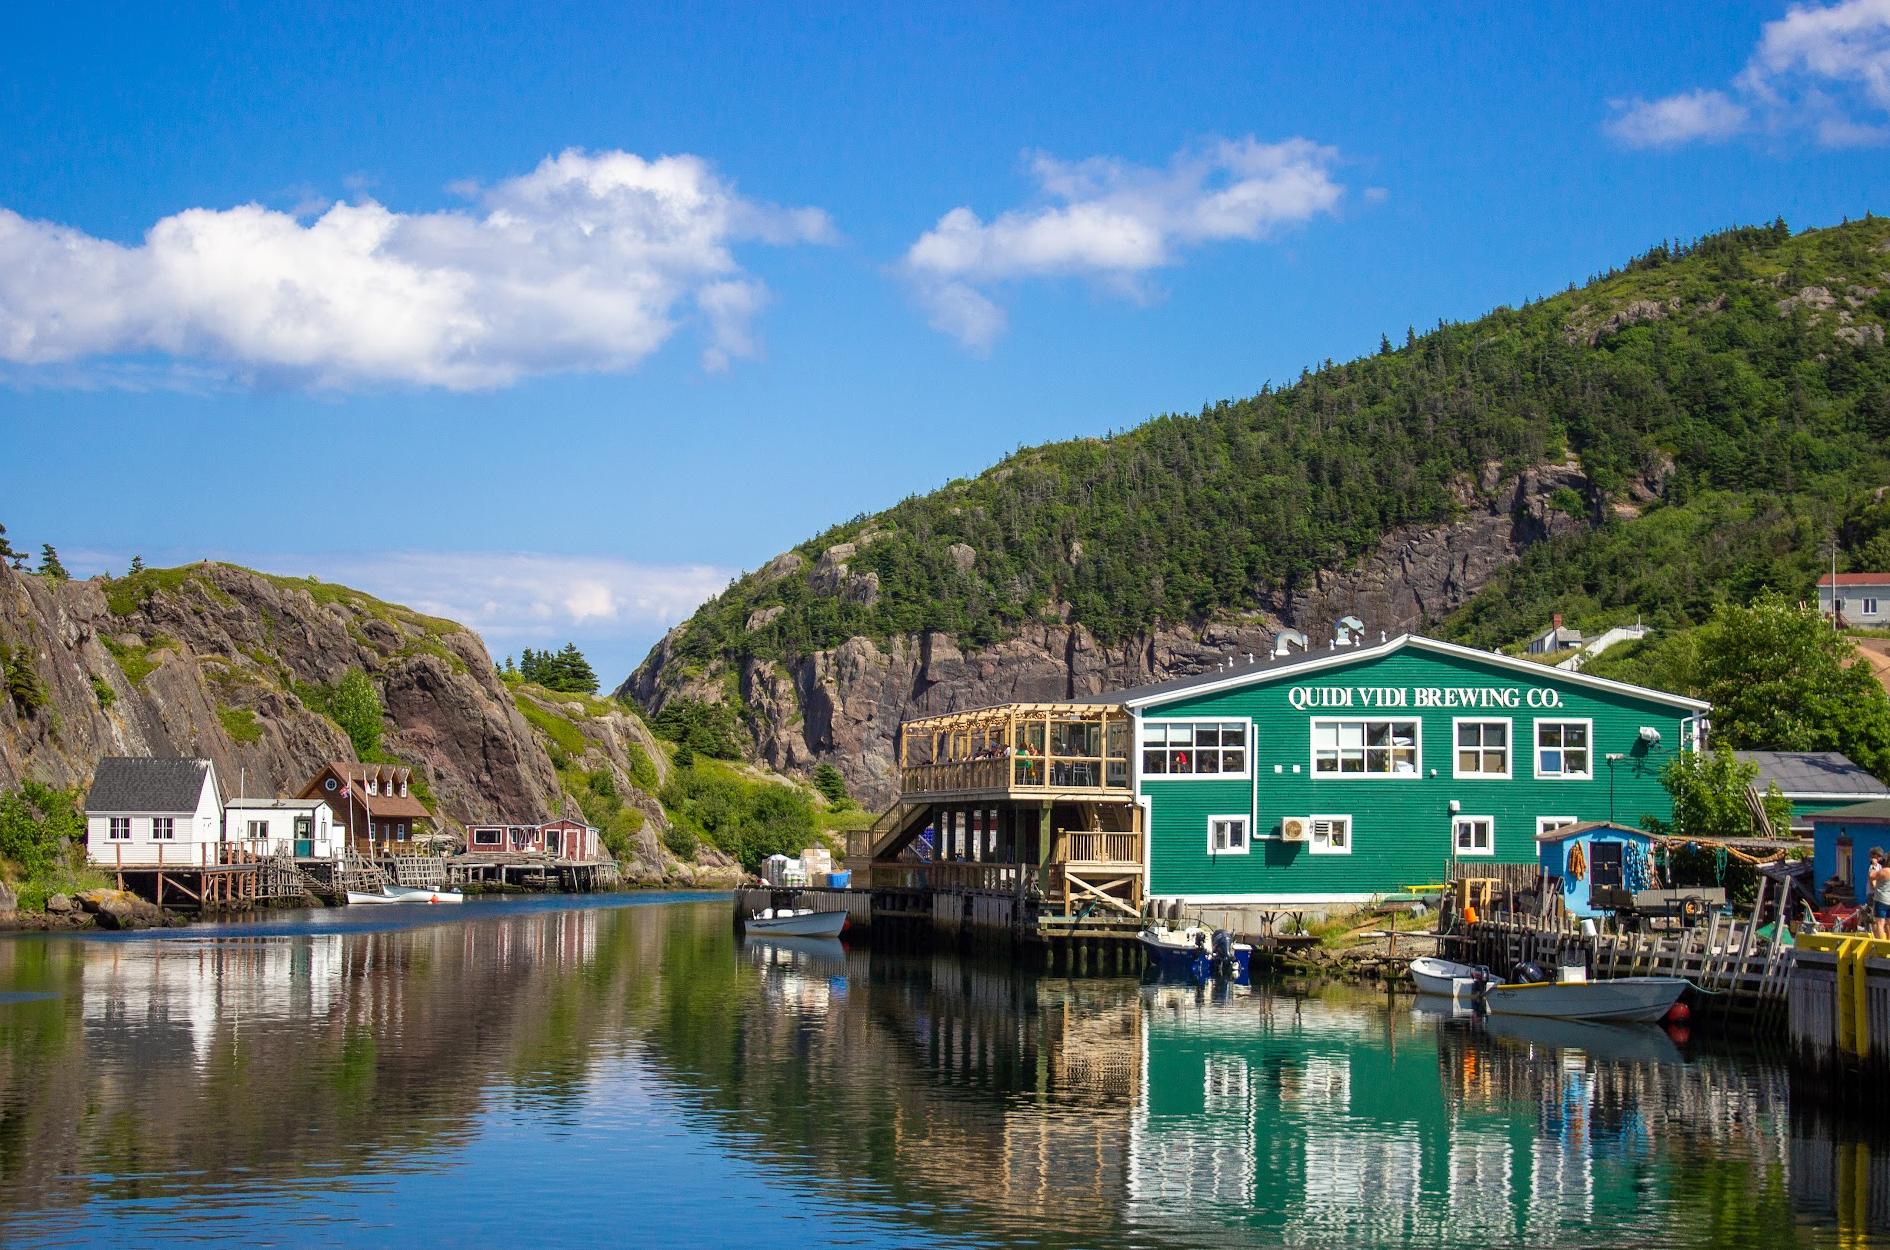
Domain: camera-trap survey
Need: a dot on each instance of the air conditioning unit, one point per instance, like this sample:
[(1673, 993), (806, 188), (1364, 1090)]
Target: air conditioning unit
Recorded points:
[(1295, 829)]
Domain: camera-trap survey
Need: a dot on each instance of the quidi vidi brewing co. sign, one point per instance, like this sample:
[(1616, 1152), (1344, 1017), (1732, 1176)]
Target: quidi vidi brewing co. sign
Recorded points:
[(1477, 698)]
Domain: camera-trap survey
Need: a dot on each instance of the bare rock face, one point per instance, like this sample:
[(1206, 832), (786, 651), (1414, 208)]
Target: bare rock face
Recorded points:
[(214, 661), (844, 705)]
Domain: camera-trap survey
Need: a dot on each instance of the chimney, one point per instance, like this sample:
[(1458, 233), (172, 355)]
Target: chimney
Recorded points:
[(1556, 620)]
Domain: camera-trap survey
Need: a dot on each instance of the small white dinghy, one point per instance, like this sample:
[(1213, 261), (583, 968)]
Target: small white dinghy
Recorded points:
[(1619, 999), (406, 894), (791, 922), (1448, 979)]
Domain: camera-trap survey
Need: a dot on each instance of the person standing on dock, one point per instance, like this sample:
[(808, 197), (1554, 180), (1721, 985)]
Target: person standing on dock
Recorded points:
[(1879, 879)]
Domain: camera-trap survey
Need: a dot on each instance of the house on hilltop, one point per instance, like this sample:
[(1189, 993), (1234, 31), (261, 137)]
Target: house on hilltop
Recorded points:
[(372, 806), (1557, 637), (1860, 598), (150, 811)]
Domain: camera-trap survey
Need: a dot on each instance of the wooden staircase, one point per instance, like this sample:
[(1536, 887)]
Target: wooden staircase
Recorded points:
[(895, 829)]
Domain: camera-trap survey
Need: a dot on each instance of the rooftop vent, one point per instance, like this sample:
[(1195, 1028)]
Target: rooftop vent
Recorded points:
[(1287, 640), (1343, 631)]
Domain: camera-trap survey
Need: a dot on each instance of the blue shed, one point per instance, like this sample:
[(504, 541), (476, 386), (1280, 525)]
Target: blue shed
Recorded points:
[(1611, 854), (1841, 840)]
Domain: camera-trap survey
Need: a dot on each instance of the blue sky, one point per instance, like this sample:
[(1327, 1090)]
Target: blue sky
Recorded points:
[(319, 292)]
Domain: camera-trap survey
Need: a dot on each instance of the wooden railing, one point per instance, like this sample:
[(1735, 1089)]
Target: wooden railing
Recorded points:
[(183, 855), (1002, 878), (1087, 847), (1026, 774)]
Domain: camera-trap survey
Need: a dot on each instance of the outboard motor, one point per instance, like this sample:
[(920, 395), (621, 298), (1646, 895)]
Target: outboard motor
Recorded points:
[(1223, 948), (1201, 965), (1528, 972)]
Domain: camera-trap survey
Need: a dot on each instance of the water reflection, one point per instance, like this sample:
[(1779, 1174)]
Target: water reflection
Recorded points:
[(621, 1068)]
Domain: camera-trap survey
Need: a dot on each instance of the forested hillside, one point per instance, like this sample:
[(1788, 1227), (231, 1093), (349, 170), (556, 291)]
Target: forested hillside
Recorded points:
[(1713, 410)]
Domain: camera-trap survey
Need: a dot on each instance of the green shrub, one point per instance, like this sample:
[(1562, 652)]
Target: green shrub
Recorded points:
[(240, 723), (40, 828), (642, 769), (355, 705), (750, 820), (103, 692), (137, 661)]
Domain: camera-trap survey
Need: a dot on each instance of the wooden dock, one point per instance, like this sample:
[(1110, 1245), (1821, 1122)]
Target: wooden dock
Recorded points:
[(210, 876), (1006, 919)]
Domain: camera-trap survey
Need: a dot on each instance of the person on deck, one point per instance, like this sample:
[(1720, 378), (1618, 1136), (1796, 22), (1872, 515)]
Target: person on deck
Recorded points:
[(1879, 880)]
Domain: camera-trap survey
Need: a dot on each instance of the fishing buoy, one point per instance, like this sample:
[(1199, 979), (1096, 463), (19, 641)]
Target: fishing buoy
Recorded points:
[(1679, 1013), (1679, 1034)]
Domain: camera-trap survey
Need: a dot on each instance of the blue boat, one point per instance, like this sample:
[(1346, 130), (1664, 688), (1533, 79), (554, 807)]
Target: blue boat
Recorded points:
[(1194, 954)]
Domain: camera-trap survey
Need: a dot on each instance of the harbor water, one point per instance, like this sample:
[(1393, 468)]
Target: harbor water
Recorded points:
[(628, 1071)]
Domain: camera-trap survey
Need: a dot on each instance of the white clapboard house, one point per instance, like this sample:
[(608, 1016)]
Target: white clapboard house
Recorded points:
[(153, 811), (303, 827)]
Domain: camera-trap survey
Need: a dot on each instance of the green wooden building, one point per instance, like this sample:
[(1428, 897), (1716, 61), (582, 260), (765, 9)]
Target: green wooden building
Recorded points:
[(1336, 776), (1296, 780)]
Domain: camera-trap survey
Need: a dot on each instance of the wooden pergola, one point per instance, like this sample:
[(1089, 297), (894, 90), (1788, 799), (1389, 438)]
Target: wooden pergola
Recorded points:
[(1025, 750)]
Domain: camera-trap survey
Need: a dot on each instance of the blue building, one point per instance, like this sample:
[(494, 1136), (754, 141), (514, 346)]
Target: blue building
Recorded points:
[(1595, 852), (1841, 840)]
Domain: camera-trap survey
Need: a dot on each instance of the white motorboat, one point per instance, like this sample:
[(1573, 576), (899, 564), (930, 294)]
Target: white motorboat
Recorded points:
[(792, 922), (1618, 999), (406, 894), (1448, 979)]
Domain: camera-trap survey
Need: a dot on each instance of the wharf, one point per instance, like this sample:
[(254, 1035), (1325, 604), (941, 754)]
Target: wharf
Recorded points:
[(242, 875), (925, 915)]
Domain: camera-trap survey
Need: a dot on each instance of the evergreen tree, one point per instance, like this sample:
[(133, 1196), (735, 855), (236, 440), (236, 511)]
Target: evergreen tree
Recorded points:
[(49, 565), (137, 566), (6, 548), (570, 672), (831, 785)]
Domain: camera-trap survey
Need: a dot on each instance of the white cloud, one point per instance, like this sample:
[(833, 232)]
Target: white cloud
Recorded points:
[(1819, 70), (589, 262), (1677, 119), (524, 596), (1114, 222)]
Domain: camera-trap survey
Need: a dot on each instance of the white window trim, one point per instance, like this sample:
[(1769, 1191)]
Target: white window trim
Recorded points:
[(1868, 608), (1417, 748), (1246, 834), (1535, 748), (112, 827), (170, 834), (1142, 745), (1460, 851), (1545, 824), (1351, 834), (1509, 751)]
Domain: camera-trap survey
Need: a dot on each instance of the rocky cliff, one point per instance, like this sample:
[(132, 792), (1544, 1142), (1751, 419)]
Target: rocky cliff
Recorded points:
[(844, 705), (221, 662)]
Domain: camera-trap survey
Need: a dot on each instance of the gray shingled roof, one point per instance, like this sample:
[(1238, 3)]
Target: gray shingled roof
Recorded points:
[(1876, 809), (146, 785), (1813, 772)]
